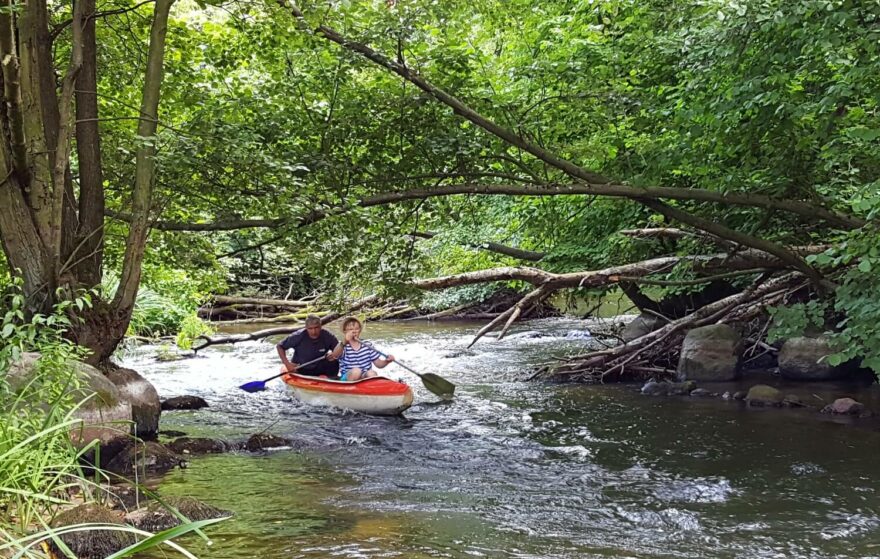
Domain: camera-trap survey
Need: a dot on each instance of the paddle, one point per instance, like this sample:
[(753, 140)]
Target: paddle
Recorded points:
[(260, 385), (436, 384)]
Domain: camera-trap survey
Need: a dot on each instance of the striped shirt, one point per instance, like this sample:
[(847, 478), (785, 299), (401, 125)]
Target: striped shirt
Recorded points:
[(362, 358)]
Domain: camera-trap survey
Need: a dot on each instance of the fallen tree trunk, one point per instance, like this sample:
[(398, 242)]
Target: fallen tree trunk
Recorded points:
[(642, 352), (228, 300)]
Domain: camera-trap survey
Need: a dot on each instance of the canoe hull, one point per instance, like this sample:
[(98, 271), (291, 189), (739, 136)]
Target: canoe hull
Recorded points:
[(375, 395)]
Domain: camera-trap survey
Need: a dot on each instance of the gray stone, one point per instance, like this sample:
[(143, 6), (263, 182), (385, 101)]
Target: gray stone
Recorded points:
[(804, 359), (740, 395), (144, 400), (105, 414), (702, 393), (654, 388), (763, 395), (844, 406), (643, 324), (710, 353)]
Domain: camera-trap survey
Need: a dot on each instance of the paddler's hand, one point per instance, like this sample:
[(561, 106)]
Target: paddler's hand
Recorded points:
[(389, 358), (289, 368), (329, 356)]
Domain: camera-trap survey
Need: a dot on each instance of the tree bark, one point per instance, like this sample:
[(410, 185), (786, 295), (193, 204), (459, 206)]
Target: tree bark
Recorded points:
[(88, 256), (126, 292)]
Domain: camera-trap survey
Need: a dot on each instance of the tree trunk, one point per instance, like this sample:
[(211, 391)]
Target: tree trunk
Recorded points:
[(126, 292), (87, 257)]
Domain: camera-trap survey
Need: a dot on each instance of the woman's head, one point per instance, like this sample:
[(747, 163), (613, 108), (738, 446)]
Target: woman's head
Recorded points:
[(351, 324)]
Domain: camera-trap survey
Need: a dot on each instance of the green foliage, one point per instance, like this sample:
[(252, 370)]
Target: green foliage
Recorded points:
[(36, 454), (166, 300), (452, 297), (190, 328), (39, 465), (796, 320), (852, 312)]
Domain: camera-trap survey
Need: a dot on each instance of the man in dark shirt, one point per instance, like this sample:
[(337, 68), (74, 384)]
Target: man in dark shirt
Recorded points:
[(307, 344)]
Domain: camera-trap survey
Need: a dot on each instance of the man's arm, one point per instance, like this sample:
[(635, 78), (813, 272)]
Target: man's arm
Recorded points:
[(287, 365)]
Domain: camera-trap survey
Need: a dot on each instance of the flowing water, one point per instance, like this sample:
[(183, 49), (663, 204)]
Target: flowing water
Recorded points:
[(513, 468)]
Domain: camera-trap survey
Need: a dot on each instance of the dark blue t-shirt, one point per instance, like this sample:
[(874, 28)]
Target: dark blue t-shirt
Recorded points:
[(305, 348)]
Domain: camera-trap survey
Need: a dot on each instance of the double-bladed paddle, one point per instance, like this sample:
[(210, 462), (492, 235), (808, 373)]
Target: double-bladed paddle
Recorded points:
[(260, 385), (434, 383)]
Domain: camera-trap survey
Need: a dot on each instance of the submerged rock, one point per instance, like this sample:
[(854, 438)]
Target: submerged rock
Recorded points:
[(197, 445), (156, 516), (844, 406), (682, 388), (184, 403), (792, 401), (171, 433), (148, 458), (763, 395), (710, 353), (94, 544), (654, 388), (261, 441)]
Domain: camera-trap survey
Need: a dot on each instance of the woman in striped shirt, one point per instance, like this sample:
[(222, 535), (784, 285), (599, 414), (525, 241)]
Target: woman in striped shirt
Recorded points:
[(357, 357)]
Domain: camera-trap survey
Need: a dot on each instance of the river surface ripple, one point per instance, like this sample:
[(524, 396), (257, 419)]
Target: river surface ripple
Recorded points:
[(512, 468)]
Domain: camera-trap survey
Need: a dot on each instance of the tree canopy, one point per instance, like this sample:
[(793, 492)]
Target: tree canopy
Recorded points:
[(361, 145)]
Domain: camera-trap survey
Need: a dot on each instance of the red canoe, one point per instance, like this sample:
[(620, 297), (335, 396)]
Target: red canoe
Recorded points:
[(374, 395)]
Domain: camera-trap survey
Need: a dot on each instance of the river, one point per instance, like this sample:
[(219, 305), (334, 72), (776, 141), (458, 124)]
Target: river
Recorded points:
[(513, 468)]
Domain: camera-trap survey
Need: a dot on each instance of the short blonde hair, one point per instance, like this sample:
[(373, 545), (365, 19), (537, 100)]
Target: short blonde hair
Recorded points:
[(350, 320)]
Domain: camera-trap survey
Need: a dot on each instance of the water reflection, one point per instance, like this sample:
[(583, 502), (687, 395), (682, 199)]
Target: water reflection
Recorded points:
[(515, 469)]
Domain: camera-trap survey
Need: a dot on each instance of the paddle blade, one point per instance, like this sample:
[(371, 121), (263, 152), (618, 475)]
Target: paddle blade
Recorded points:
[(254, 386), (438, 385)]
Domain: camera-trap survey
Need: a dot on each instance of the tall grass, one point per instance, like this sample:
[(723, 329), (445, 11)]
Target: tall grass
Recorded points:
[(39, 464), (159, 313)]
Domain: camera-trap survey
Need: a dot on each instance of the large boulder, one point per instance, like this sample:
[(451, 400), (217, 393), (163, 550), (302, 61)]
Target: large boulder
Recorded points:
[(144, 400), (806, 359), (710, 353), (643, 324), (92, 544), (105, 413)]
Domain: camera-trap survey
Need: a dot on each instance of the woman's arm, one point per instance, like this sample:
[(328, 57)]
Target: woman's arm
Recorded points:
[(382, 363), (337, 351)]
